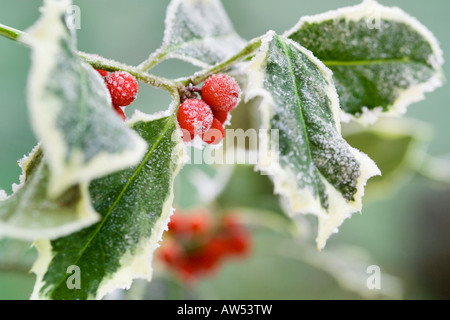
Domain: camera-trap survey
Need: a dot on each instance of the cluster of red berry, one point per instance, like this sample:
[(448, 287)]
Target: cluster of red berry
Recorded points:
[(123, 88), (205, 117), (196, 245)]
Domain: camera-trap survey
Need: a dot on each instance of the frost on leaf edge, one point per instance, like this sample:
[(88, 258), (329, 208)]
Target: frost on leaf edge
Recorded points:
[(133, 266), (84, 216), (293, 204), (43, 37), (407, 96)]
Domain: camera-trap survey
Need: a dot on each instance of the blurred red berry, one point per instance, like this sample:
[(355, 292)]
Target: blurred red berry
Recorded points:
[(213, 252), (230, 222), (199, 222), (188, 270), (238, 243), (198, 246), (178, 224), (171, 253)]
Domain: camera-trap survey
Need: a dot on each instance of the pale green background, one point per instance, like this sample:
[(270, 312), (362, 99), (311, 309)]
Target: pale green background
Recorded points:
[(128, 31)]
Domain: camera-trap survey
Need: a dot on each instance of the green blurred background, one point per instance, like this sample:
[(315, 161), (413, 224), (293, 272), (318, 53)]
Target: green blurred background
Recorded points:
[(406, 234)]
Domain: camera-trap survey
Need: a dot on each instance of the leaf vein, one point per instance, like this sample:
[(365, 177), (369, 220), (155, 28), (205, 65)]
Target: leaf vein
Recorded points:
[(119, 197)]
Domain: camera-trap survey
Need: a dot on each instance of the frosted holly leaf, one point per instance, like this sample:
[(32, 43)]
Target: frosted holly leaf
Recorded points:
[(17, 253), (29, 214), (397, 145), (313, 168), (382, 59), (199, 32), (70, 108), (135, 205)]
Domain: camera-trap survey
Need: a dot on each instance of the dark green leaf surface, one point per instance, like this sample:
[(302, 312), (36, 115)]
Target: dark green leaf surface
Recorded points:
[(382, 59), (312, 166), (70, 108), (135, 205)]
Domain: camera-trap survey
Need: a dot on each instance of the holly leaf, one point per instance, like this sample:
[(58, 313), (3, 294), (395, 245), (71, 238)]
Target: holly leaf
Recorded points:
[(198, 32), (29, 214), (397, 145), (15, 255), (70, 108), (135, 205), (382, 58), (313, 168)]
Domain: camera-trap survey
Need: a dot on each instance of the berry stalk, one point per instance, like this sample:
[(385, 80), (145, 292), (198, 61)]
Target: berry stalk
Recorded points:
[(174, 87), (139, 73), (112, 66), (152, 61), (201, 76), (102, 63)]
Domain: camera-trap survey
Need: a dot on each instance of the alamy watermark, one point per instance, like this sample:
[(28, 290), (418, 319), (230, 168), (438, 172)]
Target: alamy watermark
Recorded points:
[(373, 20), (74, 280), (73, 17), (251, 147), (374, 280)]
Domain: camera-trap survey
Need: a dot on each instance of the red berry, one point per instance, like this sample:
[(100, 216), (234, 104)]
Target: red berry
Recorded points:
[(123, 88), (230, 223), (196, 246), (221, 92), (120, 112), (212, 254), (195, 116), (215, 134), (177, 224), (103, 73), (222, 116), (187, 270), (171, 253), (238, 243), (199, 222)]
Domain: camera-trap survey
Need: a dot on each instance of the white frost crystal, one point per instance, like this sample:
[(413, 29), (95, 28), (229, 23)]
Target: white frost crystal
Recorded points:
[(305, 182)]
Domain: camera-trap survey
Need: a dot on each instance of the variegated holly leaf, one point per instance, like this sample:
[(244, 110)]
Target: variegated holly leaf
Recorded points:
[(382, 59), (313, 168), (199, 32), (15, 255), (397, 145), (29, 214), (135, 205), (70, 108)]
